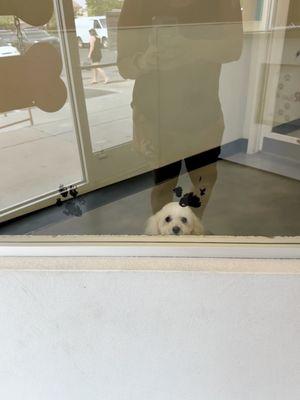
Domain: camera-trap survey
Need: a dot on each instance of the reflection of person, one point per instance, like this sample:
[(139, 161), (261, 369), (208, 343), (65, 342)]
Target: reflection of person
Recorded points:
[(174, 50), (95, 56)]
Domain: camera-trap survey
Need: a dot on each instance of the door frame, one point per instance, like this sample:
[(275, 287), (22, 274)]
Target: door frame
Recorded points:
[(209, 247), (262, 86)]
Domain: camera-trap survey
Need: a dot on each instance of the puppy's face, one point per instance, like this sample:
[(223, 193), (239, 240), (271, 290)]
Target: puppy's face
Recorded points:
[(173, 219)]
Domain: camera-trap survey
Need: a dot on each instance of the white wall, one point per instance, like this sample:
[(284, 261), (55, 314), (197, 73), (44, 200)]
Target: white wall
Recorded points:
[(234, 86), (138, 335)]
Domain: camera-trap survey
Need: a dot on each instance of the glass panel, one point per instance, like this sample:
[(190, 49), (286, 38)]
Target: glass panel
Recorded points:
[(103, 22), (38, 149), (106, 91), (191, 114), (97, 24), (287, 109)]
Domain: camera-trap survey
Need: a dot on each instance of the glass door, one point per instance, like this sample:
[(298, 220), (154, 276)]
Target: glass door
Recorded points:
[(41, 146), (280, 116), (87, 140)]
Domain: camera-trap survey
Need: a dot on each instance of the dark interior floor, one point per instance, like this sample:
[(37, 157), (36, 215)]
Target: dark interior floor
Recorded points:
[(245, 201)]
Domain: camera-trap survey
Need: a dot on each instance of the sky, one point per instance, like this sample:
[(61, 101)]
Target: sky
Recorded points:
[(81, 2)]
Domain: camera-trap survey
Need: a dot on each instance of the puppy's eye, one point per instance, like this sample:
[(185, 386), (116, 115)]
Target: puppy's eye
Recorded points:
[(168, 219), (183, 220)]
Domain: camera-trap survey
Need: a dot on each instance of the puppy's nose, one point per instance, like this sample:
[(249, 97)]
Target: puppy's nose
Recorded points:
[(176, 230)]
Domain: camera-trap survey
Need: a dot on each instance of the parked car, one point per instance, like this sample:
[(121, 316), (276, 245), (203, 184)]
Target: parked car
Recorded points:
[(7, 50), (35, 35), (30, 36), (84, 24), (8, 37)]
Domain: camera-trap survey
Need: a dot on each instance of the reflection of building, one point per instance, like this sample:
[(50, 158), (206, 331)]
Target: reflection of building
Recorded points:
[(112, 18)]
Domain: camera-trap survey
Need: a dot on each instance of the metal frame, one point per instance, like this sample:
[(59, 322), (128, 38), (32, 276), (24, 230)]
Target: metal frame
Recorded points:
[(64, 16), (145, 246), (267, 53)]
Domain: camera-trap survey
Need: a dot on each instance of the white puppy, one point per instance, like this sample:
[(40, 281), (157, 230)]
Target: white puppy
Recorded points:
[(174, 219)]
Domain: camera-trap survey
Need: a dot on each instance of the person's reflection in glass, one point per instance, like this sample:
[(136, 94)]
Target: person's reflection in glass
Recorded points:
[(174, 49)]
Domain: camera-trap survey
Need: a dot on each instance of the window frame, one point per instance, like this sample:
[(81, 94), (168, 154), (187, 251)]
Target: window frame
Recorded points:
[(144, 246), (147, 246)]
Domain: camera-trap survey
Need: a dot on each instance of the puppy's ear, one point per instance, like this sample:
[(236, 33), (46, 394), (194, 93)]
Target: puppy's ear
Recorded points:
[(197, 226), (152, 226)]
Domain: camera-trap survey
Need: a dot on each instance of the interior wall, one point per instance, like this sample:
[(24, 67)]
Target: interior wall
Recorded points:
[(234, 85), (135, 335)]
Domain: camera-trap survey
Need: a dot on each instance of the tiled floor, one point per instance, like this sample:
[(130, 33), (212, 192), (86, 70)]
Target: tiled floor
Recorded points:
[(245, 201)]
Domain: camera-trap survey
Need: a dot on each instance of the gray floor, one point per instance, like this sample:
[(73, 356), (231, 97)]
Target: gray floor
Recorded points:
[(245, 201)]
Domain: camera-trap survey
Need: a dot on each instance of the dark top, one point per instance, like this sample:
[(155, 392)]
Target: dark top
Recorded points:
[(96, 53)]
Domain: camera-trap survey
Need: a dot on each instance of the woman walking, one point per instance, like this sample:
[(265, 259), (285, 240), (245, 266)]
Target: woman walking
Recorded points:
[(95, 56)]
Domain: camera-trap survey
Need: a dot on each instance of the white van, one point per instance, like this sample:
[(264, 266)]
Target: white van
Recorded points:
[(84, 24)]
